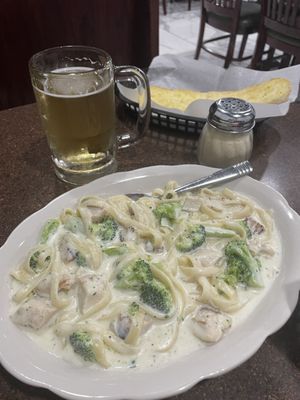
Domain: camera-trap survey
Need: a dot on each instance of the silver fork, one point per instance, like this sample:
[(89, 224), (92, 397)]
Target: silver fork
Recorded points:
[(218, 177)]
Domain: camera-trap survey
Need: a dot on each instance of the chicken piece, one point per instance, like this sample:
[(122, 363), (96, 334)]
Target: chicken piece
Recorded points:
[(128, 235), (255, 227), (209, 324), (266, 250), (35, 313), (91, 291), (121, 326), (207, 258), (65, 283), (149, 246), (192, 204), (43, 288), (67, 251), (260, 249)]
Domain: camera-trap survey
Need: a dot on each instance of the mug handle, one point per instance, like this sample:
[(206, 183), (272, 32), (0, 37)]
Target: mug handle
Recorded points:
[(136, 76)]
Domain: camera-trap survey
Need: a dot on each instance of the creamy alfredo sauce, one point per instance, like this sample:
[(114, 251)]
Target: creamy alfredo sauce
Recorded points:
[(153, 346)]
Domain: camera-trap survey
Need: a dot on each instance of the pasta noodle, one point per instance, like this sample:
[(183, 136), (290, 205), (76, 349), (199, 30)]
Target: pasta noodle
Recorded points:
[(115, 281)]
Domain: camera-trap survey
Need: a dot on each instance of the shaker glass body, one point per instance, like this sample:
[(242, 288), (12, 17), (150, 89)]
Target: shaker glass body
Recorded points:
[(218, 148)]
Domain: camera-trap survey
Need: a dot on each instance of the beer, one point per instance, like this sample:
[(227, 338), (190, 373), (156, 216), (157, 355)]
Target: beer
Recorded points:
[(78, 115), (74, 88)]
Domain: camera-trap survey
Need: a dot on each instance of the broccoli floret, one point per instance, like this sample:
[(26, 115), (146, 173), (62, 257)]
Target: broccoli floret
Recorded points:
[(82, 344), (49, 229), (34, 261), (246, 228), (80, 259), (237, 272), (37, 262), (106, 229), (157, 296), (115, 250), (242, 267), (133, 308), (134, 275), (138, 276), (191, 238), (167, 210), (212, 231)]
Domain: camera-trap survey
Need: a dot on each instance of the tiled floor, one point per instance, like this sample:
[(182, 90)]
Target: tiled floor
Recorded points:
[(179, 33)]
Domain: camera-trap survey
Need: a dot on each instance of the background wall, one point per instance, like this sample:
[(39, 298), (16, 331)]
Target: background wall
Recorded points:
[(126, 29)]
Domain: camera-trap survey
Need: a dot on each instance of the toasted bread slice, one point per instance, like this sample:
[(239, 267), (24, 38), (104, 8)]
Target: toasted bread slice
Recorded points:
[(272, 91)]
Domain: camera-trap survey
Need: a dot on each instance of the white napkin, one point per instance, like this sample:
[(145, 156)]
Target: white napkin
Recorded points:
[(175, 72)]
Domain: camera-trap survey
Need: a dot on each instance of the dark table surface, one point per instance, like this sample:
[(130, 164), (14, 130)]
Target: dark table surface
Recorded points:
[(28, 183)]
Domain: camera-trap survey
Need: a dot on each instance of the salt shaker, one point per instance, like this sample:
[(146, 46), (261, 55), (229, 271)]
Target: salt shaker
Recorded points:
[(227, 136)]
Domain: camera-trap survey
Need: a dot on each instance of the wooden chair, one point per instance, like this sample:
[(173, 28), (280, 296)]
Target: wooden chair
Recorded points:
[(280, 29), (164, 3), (233, 16)]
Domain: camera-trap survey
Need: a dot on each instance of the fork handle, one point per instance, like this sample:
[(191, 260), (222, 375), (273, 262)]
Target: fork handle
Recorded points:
[(220, 176)]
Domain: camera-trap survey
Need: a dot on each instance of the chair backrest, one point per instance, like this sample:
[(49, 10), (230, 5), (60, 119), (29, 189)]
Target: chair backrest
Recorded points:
[(222, 14), (225, 8), (280, 29), (282, 16)]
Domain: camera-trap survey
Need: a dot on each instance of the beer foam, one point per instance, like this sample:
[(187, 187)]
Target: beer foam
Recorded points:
[(73, 81)]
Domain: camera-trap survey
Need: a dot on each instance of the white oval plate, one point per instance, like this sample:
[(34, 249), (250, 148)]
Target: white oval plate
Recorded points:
[(27, 362)]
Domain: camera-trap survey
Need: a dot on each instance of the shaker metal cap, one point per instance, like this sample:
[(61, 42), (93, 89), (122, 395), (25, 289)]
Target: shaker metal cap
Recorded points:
[(232, 115)]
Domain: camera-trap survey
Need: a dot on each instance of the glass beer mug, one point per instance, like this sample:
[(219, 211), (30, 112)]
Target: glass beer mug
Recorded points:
[(74, 88)]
